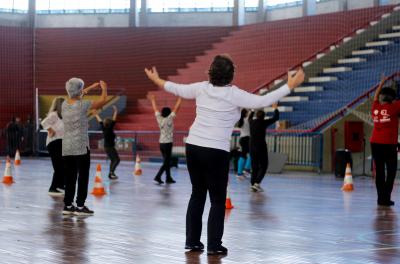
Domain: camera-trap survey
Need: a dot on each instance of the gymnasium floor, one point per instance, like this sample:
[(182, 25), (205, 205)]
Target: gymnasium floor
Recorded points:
[(300, 218)]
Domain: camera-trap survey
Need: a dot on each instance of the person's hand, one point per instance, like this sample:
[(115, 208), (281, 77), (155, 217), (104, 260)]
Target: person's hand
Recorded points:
[(103, 85), (274, 106), (151, 97), (95, 112), (152, 73), (295, 80), (51, 132)]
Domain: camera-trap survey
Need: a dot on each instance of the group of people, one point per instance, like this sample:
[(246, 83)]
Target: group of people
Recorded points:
[(68, 143), (253, 148)]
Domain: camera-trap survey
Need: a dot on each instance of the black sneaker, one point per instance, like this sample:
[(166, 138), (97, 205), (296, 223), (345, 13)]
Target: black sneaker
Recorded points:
[(220, 250), (170, 180), (69, 210), (195, 247), (55, 193), (112, 176), (158, 180), (83, 211)]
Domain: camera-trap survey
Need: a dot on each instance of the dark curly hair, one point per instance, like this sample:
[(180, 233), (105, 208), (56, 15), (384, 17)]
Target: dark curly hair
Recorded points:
[(221, 71)]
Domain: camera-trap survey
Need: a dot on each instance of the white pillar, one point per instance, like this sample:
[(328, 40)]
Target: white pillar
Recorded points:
[(309, 7), (238, 13)]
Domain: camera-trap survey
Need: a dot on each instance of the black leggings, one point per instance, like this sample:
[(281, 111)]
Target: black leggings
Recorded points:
[(76, 168), (166, 151), (55, 151), (384, 154), (208, 169), (245, 146), (114, 158), (259, 162)]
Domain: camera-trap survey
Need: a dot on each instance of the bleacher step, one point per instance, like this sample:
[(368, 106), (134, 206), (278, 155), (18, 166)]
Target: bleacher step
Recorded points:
[(288, 99), (322, 79), (280, 108), (365, 52), (307, 89), (396, 27), (337, 69), (378, 43), (390, 35), (351, 60)]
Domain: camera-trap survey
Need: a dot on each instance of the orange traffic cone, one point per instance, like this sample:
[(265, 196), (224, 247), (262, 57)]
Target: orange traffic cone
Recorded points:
[(98, 188), (228, 201), (348, 180), (17, 159), (8, 178), (138, 167)]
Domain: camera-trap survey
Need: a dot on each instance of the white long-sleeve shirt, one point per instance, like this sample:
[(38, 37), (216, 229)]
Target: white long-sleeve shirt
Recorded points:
[(218, 109)]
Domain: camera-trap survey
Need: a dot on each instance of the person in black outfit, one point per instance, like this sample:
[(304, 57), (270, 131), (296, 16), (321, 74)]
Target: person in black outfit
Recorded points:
[(258, 146), (109, 141)]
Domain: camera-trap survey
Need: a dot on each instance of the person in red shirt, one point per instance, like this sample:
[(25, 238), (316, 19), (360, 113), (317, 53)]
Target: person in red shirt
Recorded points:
[(385, 111)]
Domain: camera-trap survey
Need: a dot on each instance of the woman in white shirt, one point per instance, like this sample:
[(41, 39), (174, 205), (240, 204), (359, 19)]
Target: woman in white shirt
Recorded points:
[(218, 105), (55, 131)]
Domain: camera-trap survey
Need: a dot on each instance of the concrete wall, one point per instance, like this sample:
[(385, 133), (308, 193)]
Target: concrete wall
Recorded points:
[(13, 19), (176, 19)]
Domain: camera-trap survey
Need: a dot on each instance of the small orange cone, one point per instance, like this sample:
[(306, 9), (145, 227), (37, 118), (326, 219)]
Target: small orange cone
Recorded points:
[(138, 167), (228, 201), (348, 180), (98, 188), (8, 178), (17, 159)]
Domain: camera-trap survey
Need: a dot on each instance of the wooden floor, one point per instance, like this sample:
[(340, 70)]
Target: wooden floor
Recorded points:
[(300, 218)]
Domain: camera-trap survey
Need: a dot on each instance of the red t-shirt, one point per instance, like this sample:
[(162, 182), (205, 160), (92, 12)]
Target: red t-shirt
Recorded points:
[(386, 122)]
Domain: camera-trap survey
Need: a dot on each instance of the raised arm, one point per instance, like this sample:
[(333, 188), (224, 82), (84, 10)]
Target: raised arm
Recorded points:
[(244, 99), (115, 113), (91, 87), (103, 97), (187, 91), (378, 90), (152, 99), (177, 105), (274, 118), (98, 118)]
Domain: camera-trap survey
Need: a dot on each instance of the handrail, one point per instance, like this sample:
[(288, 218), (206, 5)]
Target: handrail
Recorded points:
[(337, 41)]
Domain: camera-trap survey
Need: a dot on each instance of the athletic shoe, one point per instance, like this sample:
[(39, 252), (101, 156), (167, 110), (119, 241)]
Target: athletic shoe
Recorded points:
[(221, 250), (69, 210), (258, 187), (55, 193), (195, 247), (112, 176), (385, 203), (62, 190), (253, 188), (83, 211), (240, 177), (246, 174), (158, 181), (170, 180)]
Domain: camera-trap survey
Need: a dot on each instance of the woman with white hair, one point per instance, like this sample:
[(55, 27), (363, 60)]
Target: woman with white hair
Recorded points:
[(218, 105), (55, 131), (75, 144)]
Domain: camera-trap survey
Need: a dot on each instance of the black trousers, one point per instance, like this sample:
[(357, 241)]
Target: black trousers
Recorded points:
[(384, 155), (76, 168), (166, 151), (55, 151), (259, 162), (245, 146), (208, 169), (112, 154)]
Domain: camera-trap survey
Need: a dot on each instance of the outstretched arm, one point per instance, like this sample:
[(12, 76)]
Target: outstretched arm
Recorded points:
[(378, 90), (103, 97), (96, 114), (177, 105), (187, 91), (244, 99), (152, 99), (91, 87), (274, 118), (115, 113)]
